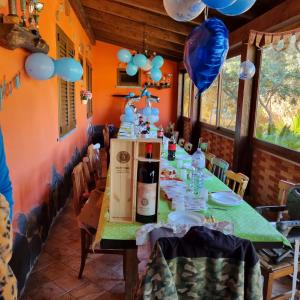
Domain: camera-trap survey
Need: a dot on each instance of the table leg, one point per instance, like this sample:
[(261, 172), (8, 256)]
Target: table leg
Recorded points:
[(131, 269)]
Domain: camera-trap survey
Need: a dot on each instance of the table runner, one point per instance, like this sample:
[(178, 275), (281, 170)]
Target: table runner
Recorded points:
[(248, 224)]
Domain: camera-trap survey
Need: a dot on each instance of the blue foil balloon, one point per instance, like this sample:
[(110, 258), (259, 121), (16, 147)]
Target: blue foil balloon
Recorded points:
[(140, 60), (237, 8), (247, 70), (68, 69), (205, 51), (131, 69), (217, 4), (157, 61), (124, 55), (156, 74), (39, 66)]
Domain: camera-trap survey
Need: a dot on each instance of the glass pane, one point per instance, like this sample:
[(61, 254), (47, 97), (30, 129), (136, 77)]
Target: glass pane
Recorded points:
[(209, 100), (186, 96), (278, 110), (229, 92)]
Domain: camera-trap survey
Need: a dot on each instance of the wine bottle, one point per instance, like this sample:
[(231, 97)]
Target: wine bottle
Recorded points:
[(147, 185), (171, 148)]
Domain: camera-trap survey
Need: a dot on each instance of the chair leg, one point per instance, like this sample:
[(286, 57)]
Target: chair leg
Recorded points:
[(268, 284), (124, 266), (84, 251)]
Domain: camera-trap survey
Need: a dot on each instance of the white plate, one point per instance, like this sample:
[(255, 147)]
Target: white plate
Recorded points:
[(182, 218), (226, 198)]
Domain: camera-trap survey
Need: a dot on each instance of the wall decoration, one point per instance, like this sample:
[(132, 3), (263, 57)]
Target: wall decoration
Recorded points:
[(183, 10), (39, 66), (124, 80), (68, 69), (205, 52), (164, 83), (85, 96), (7, 87)]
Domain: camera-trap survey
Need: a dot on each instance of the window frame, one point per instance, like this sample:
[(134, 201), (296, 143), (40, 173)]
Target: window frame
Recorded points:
[(66, 111)]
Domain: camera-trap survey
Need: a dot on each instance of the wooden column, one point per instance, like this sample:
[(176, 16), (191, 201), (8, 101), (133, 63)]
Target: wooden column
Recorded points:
[(247, 95)]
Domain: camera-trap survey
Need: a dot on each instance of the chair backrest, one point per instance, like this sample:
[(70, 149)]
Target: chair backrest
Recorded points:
[(284, 187), (203, 144), (79, 187), (94, 158), (219, 167), (209, 160), (181, 142), (87, 170), (105, 132), (237, 182), (188, 147)]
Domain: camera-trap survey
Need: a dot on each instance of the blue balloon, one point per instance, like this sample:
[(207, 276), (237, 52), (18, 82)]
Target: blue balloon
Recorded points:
[(217, 4), (68, 69), (124, 55), (155, 111), (205, 51), (129, 118), (147, 111), (140, 60), (148, 94), (237, 8), (129, 111), (247, 70), (157, 61), (39, 66), (156, 74), (131, 69), (153, 119), (131, 94)]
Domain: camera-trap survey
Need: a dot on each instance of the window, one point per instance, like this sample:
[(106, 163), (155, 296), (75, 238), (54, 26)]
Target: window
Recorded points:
[(278, 109), (219, 101), (187, 88), (67, 114), (88, 70)]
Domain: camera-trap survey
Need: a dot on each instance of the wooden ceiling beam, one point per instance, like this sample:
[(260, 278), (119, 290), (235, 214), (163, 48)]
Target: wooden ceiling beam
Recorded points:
[(282, 15), (139, 15), (123, 25), (81, 15), (129, 43), (138, 37)]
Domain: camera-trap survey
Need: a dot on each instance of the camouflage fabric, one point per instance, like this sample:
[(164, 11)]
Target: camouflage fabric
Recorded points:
[(204, 278)]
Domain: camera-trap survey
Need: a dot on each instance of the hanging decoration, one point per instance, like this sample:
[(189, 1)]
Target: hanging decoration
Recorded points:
[(68, 69), (205, 52), (7, 87), (184, 10), (39, 66), (247, 70), (149, 114), (237, 8), (164, 83), (218, 4), (129, 113)]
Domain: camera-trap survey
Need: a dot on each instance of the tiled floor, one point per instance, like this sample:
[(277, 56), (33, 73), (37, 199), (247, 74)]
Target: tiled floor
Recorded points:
[(55, 274)]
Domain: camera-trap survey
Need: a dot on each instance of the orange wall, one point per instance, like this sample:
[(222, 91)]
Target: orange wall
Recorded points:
[(107, 109), (29, 118)]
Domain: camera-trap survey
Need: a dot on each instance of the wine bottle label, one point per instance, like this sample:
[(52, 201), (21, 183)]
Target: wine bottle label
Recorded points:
[(172, 147), (146, 195)]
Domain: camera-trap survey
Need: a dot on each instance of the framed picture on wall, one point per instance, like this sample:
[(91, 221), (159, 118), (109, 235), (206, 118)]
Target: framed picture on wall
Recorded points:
[(124, 80)]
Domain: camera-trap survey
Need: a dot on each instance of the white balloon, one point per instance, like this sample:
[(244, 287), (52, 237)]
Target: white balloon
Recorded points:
[(147, 66), (184, 10)]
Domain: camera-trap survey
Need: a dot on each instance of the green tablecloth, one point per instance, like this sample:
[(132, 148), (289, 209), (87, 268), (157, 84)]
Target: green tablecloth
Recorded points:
[(247, 222)]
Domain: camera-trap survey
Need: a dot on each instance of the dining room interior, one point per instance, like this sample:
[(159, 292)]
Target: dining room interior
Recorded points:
[(149, 149)]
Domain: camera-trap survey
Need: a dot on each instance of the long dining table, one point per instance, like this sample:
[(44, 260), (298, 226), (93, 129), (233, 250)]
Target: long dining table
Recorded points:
[(247, 224)]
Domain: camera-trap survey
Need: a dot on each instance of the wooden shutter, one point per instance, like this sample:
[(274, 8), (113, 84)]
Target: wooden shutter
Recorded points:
[(67, 111), (89, 88)]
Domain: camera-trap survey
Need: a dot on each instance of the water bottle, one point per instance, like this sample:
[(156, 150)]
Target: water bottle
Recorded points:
[(198, 163)]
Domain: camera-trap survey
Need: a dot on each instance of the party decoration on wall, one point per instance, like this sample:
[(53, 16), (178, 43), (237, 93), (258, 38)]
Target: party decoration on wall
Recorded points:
[(68, 69), (147, 62), (218, 4), (85, 96), (184, 10), (247, 70), (205, 52), (39, 66), (237, 8), (7, 87)]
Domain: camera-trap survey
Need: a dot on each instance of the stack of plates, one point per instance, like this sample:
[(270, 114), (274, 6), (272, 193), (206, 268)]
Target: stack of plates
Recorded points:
[(226, 198)]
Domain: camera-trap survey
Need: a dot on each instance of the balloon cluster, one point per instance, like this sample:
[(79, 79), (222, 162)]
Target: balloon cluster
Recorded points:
[(150, 114), (42, 67), (187, 10), (134, 62), (129, 115)]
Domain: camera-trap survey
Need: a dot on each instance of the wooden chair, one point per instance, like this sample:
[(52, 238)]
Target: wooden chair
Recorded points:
[(219, 167), (181, 142), (188, 147), (209, 160), (87, 209), (204, 145), (91, 177), (237, 182), (105, 132)]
